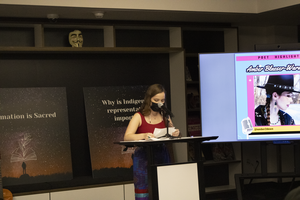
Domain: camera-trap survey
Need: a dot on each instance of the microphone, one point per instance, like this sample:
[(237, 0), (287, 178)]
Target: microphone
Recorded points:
[(167, 113), (165, 109)]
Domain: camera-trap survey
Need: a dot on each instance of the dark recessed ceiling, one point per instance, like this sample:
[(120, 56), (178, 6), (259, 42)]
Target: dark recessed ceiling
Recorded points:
[(284, 16)]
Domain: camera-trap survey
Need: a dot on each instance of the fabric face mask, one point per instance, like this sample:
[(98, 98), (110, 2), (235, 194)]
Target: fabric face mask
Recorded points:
[(155, 107)]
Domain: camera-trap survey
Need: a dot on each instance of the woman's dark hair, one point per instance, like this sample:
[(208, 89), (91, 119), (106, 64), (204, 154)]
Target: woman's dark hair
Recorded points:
[(151, 92), (268, 100)]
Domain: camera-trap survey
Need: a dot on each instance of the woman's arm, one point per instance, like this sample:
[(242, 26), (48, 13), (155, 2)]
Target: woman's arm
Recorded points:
[(132, 127), (176, 133)]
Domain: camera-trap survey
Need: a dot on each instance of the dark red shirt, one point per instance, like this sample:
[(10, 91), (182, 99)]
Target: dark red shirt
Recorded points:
[(148, 128)]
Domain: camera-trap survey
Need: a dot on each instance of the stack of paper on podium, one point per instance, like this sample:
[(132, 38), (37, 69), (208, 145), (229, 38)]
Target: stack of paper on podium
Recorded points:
[(161, 133)]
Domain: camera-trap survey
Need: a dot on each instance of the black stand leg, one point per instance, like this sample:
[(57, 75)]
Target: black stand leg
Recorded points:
[(263, 157), (200, 168), (150, 172), (238, 184), (296, 157)]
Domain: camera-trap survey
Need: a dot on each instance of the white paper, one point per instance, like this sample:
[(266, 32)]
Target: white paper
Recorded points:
[(160, 132)]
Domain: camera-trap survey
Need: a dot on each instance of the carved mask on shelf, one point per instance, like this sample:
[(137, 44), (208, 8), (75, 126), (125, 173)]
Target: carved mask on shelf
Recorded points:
[(76, 38)]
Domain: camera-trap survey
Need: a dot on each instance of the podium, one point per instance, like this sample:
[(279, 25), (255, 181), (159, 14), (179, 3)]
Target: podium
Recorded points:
[(151, 168)]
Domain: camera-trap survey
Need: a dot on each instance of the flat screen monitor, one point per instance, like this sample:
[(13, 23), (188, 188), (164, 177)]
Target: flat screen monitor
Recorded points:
[(250, 96)]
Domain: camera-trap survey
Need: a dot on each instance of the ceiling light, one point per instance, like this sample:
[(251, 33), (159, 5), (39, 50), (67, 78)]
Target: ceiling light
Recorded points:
[(99, 14), (52, 16)]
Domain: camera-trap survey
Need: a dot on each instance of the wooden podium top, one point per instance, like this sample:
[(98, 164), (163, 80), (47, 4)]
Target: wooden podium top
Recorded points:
[(167, 140)]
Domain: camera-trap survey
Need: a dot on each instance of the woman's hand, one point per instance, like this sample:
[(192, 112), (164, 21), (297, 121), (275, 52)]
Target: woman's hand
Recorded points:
[(176, 133), (148, 136)]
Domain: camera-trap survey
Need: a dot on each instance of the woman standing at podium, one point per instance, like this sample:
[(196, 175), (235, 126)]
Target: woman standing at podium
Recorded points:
[(141, 127)]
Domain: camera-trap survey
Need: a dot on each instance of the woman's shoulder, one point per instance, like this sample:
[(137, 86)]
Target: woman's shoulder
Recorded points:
[(287, 118), (259, 107), (284, 114), (137, 118), (137, 115)]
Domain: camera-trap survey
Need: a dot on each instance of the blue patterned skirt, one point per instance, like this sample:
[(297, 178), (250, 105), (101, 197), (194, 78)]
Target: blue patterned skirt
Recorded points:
[(160, 156)]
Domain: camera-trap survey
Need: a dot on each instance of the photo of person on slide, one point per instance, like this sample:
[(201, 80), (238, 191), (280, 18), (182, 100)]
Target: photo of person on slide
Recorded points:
[(279, 94)]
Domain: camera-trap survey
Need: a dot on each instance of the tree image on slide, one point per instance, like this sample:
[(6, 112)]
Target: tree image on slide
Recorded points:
[(23, 152)]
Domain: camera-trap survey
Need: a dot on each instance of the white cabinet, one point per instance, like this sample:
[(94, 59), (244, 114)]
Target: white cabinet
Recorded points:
[(109, 192), (43, 196), (129, 192), (116, 192)]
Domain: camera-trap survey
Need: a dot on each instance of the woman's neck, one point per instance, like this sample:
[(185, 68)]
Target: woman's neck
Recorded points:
[(274, 116), (154, 117), (154, 114)]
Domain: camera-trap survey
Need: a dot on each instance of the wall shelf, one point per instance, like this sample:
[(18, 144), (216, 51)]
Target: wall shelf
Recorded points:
[(192, 82), (191, 55), (213, 162), (50, 39), (89, 50), (219, 189), (197, 41)]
